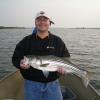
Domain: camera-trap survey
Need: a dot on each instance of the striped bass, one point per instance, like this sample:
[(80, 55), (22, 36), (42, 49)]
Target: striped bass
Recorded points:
[(52, 63)]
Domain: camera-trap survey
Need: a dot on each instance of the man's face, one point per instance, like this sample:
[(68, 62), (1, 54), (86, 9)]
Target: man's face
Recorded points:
[(42, 23)]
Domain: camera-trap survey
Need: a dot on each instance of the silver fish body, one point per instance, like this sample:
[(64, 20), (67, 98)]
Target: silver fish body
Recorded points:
[(52, 63)]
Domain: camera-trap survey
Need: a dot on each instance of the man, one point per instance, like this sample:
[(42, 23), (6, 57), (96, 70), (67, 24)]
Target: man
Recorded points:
[(40, 85)]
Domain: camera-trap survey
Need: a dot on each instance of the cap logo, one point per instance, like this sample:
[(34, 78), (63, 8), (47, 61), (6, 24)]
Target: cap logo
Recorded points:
[(42, 12)]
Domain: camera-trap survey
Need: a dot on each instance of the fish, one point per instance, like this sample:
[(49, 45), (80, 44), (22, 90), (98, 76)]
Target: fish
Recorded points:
[(51, 63)]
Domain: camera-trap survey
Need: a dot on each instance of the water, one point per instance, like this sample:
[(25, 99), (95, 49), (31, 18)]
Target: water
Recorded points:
[(83, 45)]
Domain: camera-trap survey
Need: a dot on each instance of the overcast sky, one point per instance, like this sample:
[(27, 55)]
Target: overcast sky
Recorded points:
[(65, 13)]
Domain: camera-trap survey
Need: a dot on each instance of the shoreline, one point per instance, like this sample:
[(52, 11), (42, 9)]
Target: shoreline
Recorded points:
[(3, 27)]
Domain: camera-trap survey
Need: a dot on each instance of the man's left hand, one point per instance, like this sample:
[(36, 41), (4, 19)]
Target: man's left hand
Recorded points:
[(61, 71)]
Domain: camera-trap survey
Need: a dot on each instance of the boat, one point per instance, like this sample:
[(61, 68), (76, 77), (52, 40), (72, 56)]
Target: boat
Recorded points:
[(11, 88)]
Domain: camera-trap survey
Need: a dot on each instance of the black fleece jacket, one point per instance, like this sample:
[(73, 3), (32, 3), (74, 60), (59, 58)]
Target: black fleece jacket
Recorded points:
[(33, 45)]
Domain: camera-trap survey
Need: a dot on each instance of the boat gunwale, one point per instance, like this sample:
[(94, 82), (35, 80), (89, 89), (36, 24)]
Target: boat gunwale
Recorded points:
[(8, 75), (17, 71)]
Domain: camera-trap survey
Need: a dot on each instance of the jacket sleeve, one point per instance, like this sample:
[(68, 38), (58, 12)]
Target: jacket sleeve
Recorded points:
[(65, 52), (62, 48), (18, 53)]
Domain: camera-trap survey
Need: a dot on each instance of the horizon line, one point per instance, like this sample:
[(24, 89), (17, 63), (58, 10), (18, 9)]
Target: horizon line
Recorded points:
[(1, 27)]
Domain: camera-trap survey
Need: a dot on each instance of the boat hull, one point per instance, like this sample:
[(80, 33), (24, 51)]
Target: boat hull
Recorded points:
[(12, 87)]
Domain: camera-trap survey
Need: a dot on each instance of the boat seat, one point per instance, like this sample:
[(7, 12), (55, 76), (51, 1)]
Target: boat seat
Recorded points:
[(68, 94)]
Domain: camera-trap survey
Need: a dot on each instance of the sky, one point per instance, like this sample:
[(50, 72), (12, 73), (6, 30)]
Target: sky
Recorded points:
[(65, 13)]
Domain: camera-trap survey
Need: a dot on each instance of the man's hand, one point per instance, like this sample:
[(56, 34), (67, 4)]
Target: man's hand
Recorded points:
[(61, 71), (23, 65)]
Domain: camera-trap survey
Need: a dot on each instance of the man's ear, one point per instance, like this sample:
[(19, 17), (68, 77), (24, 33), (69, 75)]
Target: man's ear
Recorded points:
[(50, 23)]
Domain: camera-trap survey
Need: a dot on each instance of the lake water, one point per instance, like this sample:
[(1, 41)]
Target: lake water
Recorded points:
[(83, 45)]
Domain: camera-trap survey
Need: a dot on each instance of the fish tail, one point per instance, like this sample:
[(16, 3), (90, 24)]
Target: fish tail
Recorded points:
[(87, 77)]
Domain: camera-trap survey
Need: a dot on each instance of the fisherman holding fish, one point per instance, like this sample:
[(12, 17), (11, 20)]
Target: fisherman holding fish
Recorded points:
[(40, 85)]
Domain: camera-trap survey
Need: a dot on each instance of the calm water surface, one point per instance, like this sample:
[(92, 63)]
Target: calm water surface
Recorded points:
[(83, 45)]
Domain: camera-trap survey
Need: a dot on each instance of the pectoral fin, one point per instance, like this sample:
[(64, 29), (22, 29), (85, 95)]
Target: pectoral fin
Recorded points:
[(44, 65)]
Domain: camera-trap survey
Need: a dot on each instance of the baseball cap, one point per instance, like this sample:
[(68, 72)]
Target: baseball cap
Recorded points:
[(42, 13)]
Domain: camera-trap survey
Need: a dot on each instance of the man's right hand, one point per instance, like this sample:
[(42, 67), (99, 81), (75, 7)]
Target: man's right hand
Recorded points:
[(23, 65)]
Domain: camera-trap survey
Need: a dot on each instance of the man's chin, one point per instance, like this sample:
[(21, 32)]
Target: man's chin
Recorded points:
[(42, 31)]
